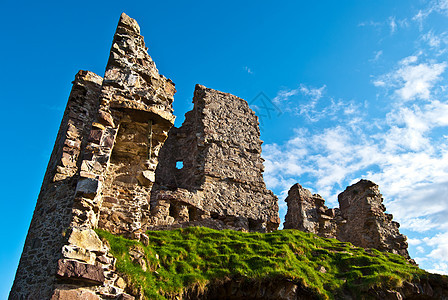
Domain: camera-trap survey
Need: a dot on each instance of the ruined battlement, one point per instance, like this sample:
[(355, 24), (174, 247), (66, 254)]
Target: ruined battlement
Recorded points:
[(360, 218)]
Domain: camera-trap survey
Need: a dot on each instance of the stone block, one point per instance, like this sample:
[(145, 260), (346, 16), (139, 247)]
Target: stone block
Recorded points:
[(146, 178), (124, 296), (105, 118), (73, 294), (88, 187), (74, 252), (95, 135), (72, 269), (85, 238)]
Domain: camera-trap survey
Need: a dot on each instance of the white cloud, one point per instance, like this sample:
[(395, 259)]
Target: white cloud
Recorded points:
[(284, 95), (440, 244), (314, 93), (310, 103), (439, 268), (412, 81), (439, 6), (420, 249), (433, 40), (414, 242), (392, 24), (408, 60), (377, 55), (248, 70), (418, 80)]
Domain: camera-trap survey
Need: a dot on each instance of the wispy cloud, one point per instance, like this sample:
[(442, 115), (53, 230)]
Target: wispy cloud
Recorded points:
[(410, 80), (248, 70), (377, 55), (436, 6), (311, 103), (392, 24)]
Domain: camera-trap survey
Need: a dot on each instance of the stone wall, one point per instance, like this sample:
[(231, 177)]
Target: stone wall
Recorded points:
[(360, 218), (134, 118), (220, 182), (367, 225), (307, 212)]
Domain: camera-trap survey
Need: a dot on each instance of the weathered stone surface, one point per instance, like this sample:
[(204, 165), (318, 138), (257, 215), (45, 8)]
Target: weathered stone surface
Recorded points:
[(85, 238), (70, 251), (360, 219), (73, 294), (88, 187), (367, 225), (72, 269), (220, 184)]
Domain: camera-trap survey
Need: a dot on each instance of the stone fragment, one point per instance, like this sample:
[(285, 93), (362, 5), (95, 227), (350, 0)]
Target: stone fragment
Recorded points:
[(95, 136), (85, 238), (73, 294), (88, 187), (105, 118), (367, 225), (124, 296), (144, 239), (72, 269), (74, 252), (120, 283), (146, 178)]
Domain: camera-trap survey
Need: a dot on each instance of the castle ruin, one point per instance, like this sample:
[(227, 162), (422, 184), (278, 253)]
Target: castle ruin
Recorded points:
[(118, 164)]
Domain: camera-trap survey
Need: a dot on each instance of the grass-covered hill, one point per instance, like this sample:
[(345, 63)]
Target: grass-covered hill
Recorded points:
[(195, 260)]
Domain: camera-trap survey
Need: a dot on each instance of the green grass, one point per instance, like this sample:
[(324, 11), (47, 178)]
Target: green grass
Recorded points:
[(195, 256)]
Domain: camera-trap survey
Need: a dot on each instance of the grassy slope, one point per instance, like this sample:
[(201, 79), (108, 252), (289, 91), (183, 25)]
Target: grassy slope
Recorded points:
[(181, 258)]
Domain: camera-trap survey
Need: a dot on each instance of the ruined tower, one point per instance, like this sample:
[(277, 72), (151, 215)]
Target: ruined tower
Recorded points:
[(360, 218), (113, 168)]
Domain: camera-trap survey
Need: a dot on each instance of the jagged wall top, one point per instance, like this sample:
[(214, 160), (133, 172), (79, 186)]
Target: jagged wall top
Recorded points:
[(132, 75), (361, 218)]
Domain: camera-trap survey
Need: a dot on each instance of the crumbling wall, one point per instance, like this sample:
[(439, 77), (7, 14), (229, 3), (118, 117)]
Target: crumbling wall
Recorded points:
[(135, 116), (220, 183), (360, 218), (367, 225), (307, 212)]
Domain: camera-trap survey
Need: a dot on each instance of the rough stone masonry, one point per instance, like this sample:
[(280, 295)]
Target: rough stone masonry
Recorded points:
[(114, 167), (360, 218)]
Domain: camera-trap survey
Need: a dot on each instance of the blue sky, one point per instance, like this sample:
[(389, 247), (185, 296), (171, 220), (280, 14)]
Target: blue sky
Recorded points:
[(358, 88)]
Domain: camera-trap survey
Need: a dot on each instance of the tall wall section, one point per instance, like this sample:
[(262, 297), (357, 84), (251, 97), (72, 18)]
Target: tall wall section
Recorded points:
[(219, 183)]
